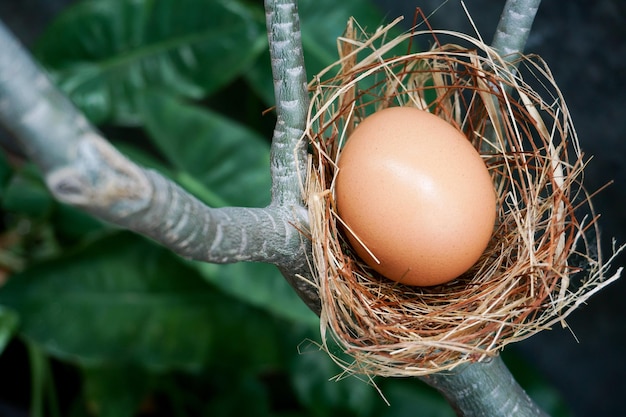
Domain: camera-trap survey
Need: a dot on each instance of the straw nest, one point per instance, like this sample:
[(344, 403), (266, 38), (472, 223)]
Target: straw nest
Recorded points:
[(543, 259)]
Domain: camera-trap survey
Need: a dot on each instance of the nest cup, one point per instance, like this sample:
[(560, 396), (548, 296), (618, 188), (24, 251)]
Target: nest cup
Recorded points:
[(543, 259)]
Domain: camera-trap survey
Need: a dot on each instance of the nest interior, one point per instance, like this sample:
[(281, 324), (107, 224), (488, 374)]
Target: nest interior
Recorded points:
[(543, 259)]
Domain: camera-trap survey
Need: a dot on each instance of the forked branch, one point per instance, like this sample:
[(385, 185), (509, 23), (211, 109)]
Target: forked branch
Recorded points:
[(82, 169)]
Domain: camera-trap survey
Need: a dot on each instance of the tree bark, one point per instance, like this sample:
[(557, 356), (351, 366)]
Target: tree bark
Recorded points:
[(514, 27), (289, 147), (484, 389)]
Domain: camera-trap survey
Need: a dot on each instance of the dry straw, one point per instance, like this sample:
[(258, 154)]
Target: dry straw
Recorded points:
[(543, 260)]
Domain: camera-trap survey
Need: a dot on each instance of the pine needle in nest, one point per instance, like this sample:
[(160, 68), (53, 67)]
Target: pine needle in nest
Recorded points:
[(543, 259)]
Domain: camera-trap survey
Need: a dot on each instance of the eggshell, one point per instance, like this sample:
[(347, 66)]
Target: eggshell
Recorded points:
[(415, 192)]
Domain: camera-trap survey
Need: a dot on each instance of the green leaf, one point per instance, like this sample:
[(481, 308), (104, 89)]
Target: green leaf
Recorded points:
[(73, 223), (405, 396), (322, 387), (223, 163), (229, 160), (260, 285), (311, 375), (227, 401), (8, 325), (321, 23), (125, 300), (139, 155), (120, 299), (104, 53), (26, 194)]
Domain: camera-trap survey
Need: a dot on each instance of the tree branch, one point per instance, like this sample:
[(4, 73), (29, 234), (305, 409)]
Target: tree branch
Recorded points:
[(82, 169), (289, 151), (514, 27), (484, 389)]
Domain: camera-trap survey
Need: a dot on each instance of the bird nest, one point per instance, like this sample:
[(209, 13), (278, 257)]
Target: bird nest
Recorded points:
[(543, 259)]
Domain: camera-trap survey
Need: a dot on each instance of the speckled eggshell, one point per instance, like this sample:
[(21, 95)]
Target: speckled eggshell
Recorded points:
[(417, 194)]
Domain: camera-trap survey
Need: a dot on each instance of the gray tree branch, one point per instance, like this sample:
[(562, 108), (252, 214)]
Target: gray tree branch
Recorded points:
[(514, 27), (289, 151), (484, 388), (82, 169)]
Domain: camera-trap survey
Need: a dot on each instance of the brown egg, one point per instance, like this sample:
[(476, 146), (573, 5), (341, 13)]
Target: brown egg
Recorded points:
[(416, 193)]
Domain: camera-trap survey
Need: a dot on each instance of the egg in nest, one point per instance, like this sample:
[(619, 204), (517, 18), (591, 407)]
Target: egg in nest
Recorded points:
[(415, 196)]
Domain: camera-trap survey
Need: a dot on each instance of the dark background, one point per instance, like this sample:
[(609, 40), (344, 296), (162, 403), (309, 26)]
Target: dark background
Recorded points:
[(585, 45)]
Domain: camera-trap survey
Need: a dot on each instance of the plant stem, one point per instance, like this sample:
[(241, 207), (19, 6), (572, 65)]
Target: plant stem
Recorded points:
[(514, 27), (484, 388), (289, 149), (38, 376)]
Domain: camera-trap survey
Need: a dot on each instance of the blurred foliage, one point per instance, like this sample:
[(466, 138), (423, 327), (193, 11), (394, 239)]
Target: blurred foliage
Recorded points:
[(114, 325)]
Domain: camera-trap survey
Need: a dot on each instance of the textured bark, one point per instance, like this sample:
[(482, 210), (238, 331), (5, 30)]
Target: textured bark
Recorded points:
[(484, 389), (289, 149), (514, 27)]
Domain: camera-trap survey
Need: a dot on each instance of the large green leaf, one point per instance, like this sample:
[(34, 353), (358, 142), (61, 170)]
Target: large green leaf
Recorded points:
[(260, 285), (535, 384), (321, 22), (229, 160), (311, 373), (227, 399), (103, 53), (123, 299), (27, 195), (356, 395), (407, 395)]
